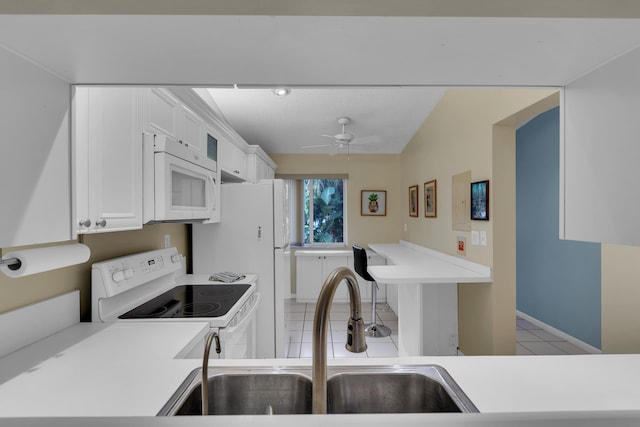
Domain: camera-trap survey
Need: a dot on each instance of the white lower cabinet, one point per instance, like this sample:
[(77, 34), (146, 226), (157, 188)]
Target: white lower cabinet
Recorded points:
[(313, 267), (107, 141)]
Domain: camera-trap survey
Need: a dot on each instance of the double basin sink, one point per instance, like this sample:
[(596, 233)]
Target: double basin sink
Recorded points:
[(350, 389)]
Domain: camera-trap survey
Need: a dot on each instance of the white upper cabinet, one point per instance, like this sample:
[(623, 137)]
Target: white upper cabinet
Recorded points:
[(107, 141), (192, 130), (232, 161), (259, 165), (35, 166), (599, 200), (161, 113)]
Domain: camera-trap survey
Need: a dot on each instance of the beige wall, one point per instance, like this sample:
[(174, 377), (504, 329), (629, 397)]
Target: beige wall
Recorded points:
[(460, 136), (15, 293), (366, 172), (620, 297)]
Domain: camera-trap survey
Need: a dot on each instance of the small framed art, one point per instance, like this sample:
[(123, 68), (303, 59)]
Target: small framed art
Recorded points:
[(430, 199), (413, 200), (480, 200), (373, 203)]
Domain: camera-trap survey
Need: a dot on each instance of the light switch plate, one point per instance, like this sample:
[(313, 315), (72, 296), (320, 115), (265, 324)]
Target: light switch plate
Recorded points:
[(475, 238), (483, 238)]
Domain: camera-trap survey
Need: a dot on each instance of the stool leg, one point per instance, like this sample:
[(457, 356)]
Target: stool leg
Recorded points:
[(373, 329)]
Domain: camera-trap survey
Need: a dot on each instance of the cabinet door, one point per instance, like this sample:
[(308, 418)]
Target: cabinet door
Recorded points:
[(109, 190), (161, 113), (263, 170), (308, 278), (193, 132), (232, 160)]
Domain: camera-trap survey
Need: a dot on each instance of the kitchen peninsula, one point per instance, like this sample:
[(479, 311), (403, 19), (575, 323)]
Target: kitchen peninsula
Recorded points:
[(106, 374), (427, 295), (116, 374)]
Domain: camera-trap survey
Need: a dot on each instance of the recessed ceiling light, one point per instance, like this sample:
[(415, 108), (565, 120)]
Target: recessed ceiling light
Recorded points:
[(282, 91)]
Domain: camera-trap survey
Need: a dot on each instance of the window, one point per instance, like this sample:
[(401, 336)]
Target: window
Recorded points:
[(324, 211)]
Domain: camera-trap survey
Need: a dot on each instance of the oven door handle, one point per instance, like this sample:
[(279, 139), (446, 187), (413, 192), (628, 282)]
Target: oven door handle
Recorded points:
[(246, 316)]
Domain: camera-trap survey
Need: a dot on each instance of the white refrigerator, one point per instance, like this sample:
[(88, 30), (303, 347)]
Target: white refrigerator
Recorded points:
[(252, 237)]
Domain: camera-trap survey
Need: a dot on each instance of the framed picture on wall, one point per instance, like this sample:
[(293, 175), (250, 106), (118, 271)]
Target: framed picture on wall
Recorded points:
[(373, 203), (430, 199), (480, 200), (413, 200)]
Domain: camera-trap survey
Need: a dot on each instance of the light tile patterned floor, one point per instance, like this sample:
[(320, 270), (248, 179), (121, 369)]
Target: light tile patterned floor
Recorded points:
[(530, 339), (300, 324)]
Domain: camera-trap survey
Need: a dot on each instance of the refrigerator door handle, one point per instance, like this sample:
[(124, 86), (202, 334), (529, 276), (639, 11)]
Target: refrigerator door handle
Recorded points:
[(259, 232)]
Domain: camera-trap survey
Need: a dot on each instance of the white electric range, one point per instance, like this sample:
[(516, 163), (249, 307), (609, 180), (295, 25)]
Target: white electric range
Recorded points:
[(152, 287)]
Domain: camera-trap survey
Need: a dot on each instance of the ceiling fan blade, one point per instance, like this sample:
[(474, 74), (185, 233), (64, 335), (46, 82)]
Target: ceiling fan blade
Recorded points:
[(372, 140), (316, 146), (329, 136)]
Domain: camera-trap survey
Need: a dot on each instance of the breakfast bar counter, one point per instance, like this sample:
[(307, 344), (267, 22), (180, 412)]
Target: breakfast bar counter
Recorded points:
[(427, 295)]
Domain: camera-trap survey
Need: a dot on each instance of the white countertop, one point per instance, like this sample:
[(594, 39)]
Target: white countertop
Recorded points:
[(408, 263), (125, 370), (324, 251)]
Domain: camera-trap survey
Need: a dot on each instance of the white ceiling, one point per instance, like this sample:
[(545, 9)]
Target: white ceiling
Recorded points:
[(306, 51), (383, 119)]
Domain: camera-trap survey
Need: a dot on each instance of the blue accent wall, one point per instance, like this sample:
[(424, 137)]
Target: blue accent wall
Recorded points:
[(558, 281)]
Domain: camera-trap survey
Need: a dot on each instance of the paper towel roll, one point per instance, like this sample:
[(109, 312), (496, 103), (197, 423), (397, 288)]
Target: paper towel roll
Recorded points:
[(44, 259)]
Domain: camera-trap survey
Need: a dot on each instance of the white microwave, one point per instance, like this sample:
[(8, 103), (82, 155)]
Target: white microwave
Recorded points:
[(179, 184)]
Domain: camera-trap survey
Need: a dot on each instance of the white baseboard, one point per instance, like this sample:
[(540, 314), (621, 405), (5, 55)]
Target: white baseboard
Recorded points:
[(583, 345)]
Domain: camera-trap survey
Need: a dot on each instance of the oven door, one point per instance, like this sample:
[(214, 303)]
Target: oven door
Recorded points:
[(183, 190), (238, 339)]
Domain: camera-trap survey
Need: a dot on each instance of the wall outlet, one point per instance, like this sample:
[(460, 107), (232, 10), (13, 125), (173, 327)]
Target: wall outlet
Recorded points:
[(462, 245), (167, 241)]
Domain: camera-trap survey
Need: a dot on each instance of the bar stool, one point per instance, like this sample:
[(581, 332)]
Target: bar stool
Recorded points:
[(360, 265)]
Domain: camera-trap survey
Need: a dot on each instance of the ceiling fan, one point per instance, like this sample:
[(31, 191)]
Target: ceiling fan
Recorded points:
[(342, 140)]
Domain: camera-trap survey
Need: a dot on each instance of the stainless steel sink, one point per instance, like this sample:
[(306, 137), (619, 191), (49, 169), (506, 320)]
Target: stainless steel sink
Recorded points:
[(243, 392), (417, 390), (350, 389)]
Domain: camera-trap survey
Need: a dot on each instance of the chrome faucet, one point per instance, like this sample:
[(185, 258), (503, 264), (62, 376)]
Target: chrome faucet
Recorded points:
[(205, 369), (355, 332)]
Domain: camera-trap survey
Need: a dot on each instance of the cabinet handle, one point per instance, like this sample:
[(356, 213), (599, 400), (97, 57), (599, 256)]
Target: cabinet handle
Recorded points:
[(86, 223), (101, 223)]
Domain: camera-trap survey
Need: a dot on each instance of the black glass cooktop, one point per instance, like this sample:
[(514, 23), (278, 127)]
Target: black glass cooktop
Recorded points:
[(190, 301)]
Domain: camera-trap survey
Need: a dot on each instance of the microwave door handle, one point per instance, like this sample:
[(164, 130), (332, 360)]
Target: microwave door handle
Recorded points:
[(214, 191)]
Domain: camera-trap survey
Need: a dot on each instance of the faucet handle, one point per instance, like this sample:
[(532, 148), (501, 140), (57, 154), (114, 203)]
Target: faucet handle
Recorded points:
[(356, 342)]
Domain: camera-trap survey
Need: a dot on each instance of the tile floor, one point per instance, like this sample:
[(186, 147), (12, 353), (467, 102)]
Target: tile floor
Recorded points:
[(300, 322), (530, 339)]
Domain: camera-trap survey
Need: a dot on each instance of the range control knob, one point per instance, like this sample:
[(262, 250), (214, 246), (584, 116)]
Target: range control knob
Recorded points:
[(175, 258), (128, 273), (118, 276)]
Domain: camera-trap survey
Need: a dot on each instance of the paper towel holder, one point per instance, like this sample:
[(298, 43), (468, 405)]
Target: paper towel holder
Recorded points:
[(11, 263)]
